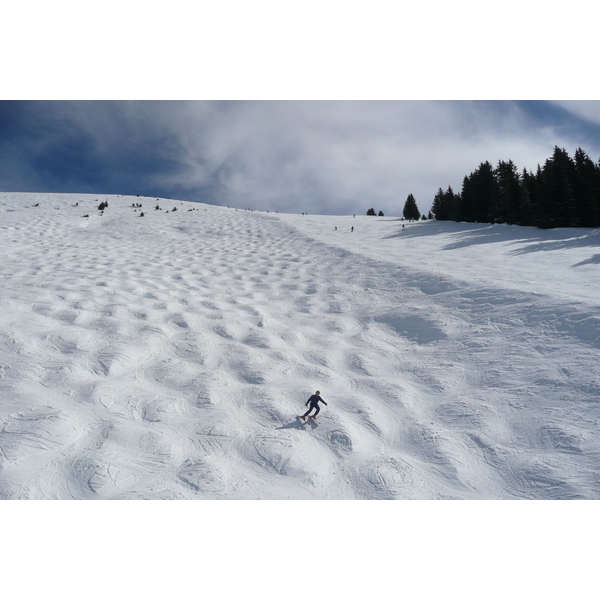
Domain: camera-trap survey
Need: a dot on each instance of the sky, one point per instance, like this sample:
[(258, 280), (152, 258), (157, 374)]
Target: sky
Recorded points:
[(321, 157), (323, 107)]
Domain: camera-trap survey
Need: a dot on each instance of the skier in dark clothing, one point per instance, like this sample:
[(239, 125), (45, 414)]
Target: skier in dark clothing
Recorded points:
[(314, 403)]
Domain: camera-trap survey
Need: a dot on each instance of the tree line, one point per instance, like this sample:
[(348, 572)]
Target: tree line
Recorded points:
[(565, 192)]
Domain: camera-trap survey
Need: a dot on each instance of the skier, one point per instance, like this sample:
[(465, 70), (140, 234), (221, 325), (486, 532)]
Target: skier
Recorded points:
[(314, 403)]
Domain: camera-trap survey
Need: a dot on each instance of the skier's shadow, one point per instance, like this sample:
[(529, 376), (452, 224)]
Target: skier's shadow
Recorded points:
[(299, 424)]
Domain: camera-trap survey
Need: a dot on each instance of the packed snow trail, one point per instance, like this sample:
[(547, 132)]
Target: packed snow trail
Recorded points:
[(167, 356)]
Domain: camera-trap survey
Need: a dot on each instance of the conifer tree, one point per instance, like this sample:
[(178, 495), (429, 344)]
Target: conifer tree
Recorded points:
[(507, 208), (557, 177), (411, 211), (454, 201), (529, 194), (438, 207), (486, 193), (445, 205), (586, 188), (466, 210)]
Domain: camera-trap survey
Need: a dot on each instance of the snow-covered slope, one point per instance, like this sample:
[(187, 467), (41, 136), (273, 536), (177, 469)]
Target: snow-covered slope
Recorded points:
[(168, 356)]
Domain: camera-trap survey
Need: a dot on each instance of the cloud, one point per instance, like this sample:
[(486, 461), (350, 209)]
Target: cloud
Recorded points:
[(347, 156), (585, 109)]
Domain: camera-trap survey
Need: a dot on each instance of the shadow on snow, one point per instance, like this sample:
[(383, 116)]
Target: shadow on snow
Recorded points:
[(532, 239)]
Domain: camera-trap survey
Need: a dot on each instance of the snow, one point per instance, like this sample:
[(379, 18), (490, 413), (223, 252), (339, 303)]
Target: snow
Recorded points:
[(167, 356)]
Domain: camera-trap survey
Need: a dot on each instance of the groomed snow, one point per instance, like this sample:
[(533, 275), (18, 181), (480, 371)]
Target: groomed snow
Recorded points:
[(167, 356)]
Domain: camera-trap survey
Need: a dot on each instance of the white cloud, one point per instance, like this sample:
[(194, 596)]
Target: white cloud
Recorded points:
[(346, 156), (586, 109)]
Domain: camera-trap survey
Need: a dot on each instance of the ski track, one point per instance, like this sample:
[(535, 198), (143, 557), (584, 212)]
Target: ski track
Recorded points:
[(167, 357)]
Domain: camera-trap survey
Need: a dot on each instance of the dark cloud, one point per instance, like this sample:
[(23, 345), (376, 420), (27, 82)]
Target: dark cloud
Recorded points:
[(294, 156)]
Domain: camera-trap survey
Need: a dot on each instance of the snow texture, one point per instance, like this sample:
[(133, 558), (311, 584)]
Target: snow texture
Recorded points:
[(168, 356)]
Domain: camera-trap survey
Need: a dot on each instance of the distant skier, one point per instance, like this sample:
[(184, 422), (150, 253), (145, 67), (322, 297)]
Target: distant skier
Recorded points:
[(314, 403)]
